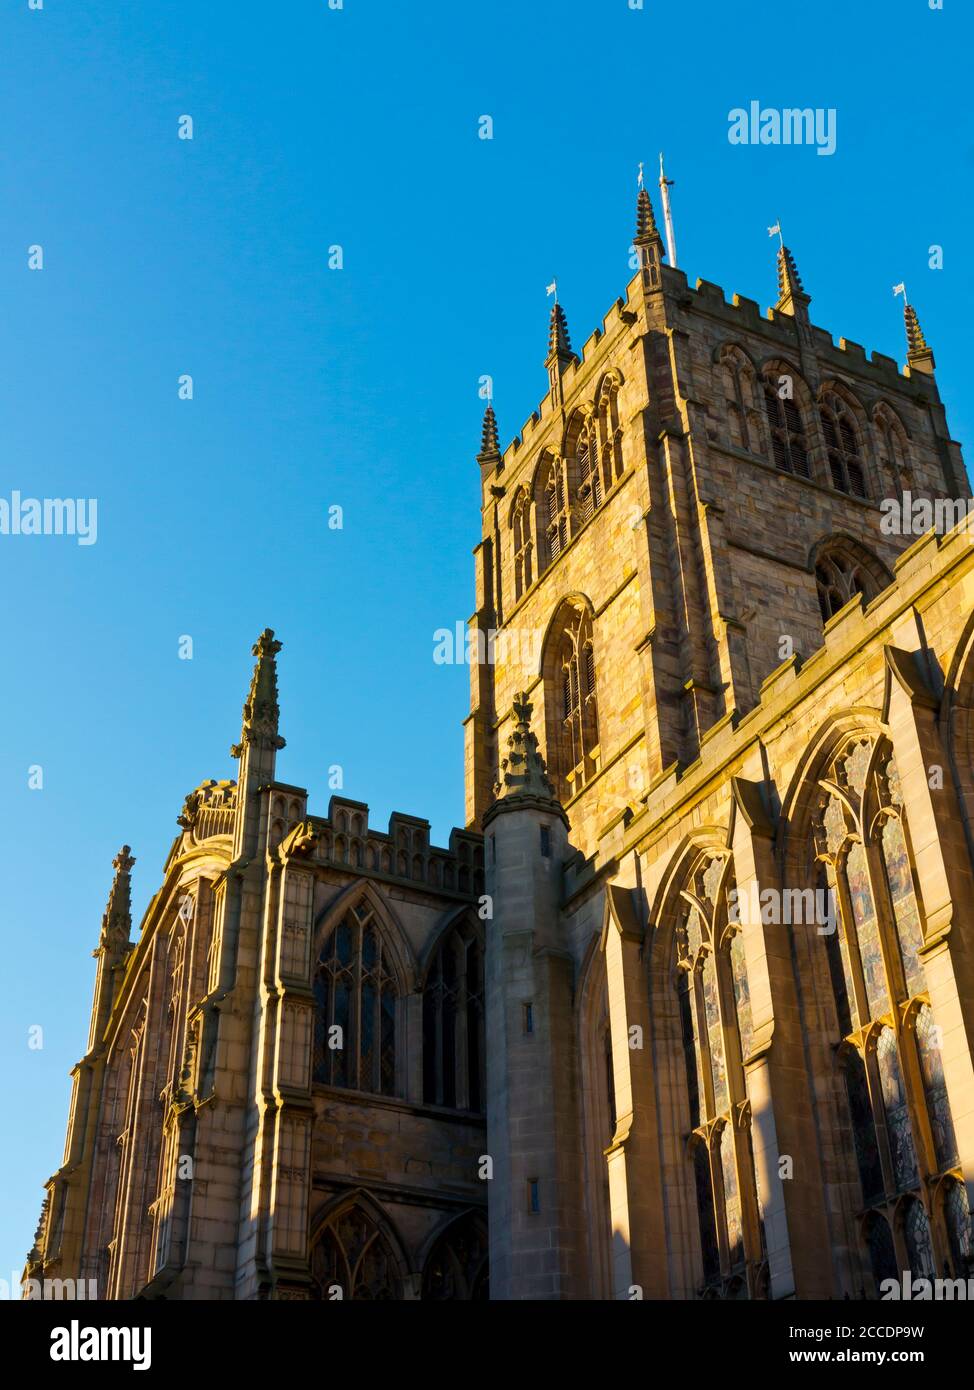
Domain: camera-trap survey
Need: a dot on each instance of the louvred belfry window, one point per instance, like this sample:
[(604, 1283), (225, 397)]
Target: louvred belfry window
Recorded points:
[(355, 1021), (555, 504), (900, 1127), (523, 549), (842, 442), (572, 751), (789, 447), (589, 496)]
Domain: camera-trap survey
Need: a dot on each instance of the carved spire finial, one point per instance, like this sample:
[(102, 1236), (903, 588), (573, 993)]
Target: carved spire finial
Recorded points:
[(646, 228), (116, 923), (918, 353), (261, 711), (489, 445), (791, 291), (559, 343), (523, 772)]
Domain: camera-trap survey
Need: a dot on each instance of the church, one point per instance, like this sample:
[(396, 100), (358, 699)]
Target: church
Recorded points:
[(686, 1009)]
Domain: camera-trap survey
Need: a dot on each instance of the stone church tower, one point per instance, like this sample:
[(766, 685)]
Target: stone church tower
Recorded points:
[(687, 1009), (730, 1016)]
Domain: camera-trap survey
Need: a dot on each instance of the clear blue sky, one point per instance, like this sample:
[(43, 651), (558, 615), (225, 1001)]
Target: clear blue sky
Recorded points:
[(316, 387)]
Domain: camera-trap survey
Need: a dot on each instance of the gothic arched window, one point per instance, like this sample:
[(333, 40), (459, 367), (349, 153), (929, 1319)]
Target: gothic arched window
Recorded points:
[(523, 545), (588, 473), (352, 1254), (894, 449), (738, 382), (457, 1266), (957, 1218), (715, 1013), (453, 1022), (553, 510), (842, 442), (610, 432), (572, 709), (841, 572), (899, 1115), (355, 1020), (789, 444)]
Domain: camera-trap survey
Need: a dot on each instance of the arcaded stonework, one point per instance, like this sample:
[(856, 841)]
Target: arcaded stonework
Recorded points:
[(702, 958)]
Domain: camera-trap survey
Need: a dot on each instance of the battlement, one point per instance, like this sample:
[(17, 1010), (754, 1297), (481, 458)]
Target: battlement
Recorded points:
[(346, 840)]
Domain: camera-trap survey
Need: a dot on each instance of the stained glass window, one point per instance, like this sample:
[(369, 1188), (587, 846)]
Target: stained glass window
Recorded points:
[(453, 1023), (355, 1023), (705, 1213), (691, 1048), (867, 931), (935, 1088), (711, 1004), (882, 1255), (716, 1022), (353, 1255), (840, 966), (867, 841), (898, 1130), (905, 911), (742, 992), (863, 1128), (732, 1197), (957, 1214), (919, 1245), (457, 1266), (855, 764)]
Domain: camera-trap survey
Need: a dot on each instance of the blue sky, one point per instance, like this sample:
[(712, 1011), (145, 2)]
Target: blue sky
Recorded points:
[(357, 387)]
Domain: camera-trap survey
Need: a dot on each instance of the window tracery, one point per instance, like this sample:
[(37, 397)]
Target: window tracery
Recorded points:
[(889, 1052), (355, 1019), (715, 1014)]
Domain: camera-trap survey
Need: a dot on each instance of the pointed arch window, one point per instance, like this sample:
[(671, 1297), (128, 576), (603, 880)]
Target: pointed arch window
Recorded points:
[(352, 1254), (789, 443), (610, 432), (842, 442), (839, 576), (523, 546), (957, 1218), (901, 1126), (453, 1023), (894, 449), (588, 474), (356, 997), (738, 382), (457, 1266), (554, 510), (715, 1014), (571, 701)]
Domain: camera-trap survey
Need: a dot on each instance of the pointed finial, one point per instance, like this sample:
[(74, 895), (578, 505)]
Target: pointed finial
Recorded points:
[(116, 923), (489, 445), (918, 353), (646, 230), (261, 711), (559, 343), (792, 298), (523, 776)]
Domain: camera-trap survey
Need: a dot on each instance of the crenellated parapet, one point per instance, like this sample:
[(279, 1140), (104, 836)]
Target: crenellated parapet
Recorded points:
[(344, 839)]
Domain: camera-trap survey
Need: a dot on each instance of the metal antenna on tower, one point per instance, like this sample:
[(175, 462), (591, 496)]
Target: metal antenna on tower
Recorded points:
[(665, 185)]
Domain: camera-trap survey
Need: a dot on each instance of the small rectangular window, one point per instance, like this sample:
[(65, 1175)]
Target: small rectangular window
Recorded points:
[(529, 1018), (491, 851), (545, 842), (534, 1195)]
